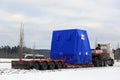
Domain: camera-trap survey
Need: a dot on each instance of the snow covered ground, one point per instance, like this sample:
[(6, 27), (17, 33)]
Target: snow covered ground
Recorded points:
[(91, 73)]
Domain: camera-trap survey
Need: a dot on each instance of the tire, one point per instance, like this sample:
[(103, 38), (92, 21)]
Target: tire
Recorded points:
[(59, 65), (111, 62), (44, 66), (51, 66), (96, 63), (101, 63), (105, 63), (36, 65)]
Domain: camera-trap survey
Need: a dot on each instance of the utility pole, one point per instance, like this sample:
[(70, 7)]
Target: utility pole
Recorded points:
[(21, 42)]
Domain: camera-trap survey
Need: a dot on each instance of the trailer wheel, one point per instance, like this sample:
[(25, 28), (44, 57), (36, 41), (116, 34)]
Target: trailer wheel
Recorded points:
[(36, 65), (51, 65), (44, 66), (59, 65)]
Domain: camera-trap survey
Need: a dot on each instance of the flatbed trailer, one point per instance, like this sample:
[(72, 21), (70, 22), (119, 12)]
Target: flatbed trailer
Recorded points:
[(45, 64), (69, 48)]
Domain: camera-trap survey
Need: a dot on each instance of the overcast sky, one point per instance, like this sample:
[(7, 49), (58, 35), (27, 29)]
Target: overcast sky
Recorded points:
[(101, 19)]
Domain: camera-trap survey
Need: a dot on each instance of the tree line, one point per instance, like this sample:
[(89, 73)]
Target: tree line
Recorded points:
[(117, 54), (7, 51), (12, 52)]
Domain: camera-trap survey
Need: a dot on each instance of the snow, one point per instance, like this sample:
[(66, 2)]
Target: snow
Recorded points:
[(91, 73), (5, 60)]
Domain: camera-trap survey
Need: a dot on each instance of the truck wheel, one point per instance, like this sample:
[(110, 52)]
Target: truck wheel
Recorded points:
[(111, 62), (59, 65), (51, 65), (36, 65), (96, 63), (44, 66), (101, 63), (105, 63)]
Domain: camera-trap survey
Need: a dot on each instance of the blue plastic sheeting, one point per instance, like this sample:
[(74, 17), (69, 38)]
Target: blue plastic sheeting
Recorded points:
[(71, 45)]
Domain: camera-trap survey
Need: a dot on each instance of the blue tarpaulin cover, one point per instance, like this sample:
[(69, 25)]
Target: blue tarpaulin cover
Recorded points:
[(72, 45)]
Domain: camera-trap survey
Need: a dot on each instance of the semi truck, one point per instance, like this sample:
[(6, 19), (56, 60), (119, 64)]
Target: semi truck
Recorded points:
[(103, 55), (69, 48)]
